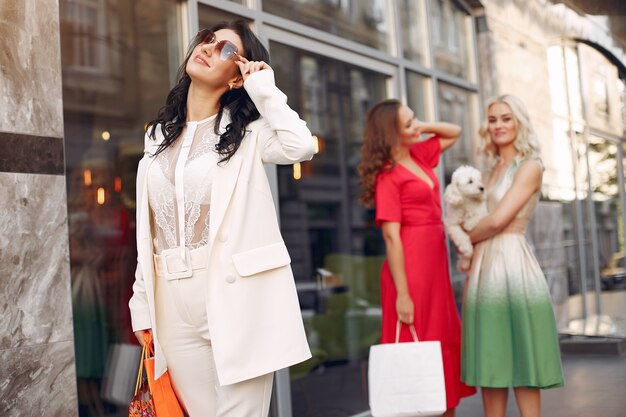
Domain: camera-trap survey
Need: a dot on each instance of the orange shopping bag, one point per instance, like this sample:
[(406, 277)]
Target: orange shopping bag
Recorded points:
[(142, 404), (166, 403)]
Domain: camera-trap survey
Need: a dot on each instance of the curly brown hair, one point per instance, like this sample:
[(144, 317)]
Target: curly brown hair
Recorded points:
[(379, 138)]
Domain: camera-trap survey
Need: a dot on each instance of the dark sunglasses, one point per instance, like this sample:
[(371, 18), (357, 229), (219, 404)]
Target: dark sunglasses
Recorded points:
[(226, 49)]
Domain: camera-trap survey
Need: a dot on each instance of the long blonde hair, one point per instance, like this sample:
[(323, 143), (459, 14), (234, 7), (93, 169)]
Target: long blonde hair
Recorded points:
[(526, 142)]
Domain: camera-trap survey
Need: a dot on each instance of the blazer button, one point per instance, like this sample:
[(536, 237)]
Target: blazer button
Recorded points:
[(231, 279), (223, 237)]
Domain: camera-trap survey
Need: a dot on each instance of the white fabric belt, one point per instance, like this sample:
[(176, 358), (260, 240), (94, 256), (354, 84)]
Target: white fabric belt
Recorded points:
[(170, 265)]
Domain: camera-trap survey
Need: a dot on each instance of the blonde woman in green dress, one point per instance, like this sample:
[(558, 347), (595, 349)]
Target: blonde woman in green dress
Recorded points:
[(509, 331)]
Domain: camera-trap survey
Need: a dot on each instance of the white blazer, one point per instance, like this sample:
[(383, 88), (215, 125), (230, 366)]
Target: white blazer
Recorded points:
[(252, 305)]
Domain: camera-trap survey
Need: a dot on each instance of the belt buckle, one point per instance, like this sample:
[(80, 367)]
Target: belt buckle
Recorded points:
[(175, 266)]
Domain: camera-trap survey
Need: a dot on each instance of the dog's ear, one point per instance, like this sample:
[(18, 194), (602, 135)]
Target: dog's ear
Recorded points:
[(452, 195)]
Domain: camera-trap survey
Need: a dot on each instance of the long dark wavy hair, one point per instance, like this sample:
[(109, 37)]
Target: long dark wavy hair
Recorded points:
[(379, 139), (172, 116)]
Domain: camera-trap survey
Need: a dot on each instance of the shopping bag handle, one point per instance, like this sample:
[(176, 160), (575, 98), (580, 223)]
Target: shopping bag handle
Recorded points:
[(147, 341), (411, 328), (144, 355)]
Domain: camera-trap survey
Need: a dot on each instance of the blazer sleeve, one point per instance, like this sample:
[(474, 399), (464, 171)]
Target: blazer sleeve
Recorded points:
[(283, 137), (138, 304)]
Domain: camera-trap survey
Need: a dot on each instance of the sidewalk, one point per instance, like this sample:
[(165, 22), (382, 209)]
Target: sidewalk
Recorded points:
[(595, 386)]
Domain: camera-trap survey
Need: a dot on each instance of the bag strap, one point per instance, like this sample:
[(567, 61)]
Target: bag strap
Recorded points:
[(140, 373), (147, 341), (411, 328)]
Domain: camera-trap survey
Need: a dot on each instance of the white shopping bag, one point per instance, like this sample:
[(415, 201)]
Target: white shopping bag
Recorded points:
[(406, 379), (120, 374)]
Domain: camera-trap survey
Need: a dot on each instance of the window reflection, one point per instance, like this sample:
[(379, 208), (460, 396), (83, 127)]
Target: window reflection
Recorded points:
[(458, 106), (451, 39), (336, 250), (589, 185), (413, 30), (208, 16), (417, 94), (600, 83), (363, 21), (116, 65)]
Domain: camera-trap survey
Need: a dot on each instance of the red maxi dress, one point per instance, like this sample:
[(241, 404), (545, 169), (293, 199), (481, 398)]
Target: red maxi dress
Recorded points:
[(403, 197)]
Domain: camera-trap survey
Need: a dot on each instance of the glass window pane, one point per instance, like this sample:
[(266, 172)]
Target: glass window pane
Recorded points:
[(621, 90), (573, 84), (564, 82), (452, 42), (460, 107), (117, 59), (418, 94), (336, 249), (363, 21), (208, 16), (600, 85), (558, 87), (413, 30), (603, 156)]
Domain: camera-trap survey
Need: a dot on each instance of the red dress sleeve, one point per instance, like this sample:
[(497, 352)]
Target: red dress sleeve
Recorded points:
[(427, 151), (387, 196)]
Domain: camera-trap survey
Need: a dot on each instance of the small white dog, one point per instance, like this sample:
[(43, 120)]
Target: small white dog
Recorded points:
[(465, 205)]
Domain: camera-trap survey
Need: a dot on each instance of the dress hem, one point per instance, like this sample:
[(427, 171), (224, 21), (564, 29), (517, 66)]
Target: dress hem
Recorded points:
[(556, 384)]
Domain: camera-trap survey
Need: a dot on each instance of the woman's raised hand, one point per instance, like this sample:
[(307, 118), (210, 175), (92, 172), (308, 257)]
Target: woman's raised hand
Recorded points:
[(250, 67)]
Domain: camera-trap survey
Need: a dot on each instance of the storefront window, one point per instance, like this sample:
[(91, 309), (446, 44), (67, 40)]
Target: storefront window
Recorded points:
[(452, 39), (564, 82), (418, 94), (586, 176), (208, 16), (558, 84), (413, 30), (600, 84), (363, 21), (460, 107), (573, 84), (116, 58), (608, 210), (335, 248), (621, 89)]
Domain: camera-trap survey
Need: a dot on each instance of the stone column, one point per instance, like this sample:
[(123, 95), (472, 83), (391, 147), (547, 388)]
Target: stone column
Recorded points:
[(37, 372)]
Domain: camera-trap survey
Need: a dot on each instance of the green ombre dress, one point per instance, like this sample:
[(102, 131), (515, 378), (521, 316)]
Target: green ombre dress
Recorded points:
[(509, 332)]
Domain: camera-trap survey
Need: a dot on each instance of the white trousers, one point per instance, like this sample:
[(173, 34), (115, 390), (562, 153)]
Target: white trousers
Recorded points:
[(184, 337)]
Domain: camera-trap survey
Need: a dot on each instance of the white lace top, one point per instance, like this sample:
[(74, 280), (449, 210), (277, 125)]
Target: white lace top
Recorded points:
[(179, 187)]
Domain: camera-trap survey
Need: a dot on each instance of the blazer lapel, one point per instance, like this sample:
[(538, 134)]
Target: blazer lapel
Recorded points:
[(143, 208), (223, 185), (145, 247)]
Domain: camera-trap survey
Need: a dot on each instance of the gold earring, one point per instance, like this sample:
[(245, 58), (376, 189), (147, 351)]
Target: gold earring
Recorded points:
[(230, 85)]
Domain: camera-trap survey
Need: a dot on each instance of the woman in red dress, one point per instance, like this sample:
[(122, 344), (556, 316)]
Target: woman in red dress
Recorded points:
[(397, 177)]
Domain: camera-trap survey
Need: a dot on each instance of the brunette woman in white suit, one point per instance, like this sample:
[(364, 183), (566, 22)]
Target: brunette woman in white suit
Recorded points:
[(213, 281)]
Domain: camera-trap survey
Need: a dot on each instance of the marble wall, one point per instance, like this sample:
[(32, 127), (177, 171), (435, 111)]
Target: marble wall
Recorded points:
[(30, 68), (37, 371)]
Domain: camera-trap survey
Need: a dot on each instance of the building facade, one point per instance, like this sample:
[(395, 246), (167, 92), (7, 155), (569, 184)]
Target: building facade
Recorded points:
[(72, 136)]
